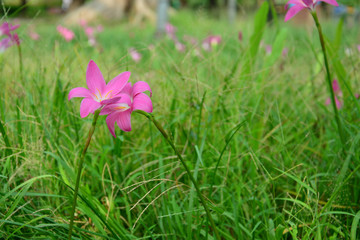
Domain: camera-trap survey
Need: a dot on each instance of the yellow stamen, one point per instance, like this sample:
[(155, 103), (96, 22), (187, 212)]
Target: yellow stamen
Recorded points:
[(121, 108)]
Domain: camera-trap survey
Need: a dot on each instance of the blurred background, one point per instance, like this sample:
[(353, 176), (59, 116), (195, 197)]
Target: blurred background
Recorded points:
[(138, 11)]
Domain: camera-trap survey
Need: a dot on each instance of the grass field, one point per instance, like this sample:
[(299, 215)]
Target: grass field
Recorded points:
[(262, 118)]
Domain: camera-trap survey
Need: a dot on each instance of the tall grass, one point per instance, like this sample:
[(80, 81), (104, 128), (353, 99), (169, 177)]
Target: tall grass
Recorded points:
[(279, 176)]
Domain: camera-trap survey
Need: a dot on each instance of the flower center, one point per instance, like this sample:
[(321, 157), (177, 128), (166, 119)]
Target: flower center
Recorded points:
[(98, 97), (121, 107)]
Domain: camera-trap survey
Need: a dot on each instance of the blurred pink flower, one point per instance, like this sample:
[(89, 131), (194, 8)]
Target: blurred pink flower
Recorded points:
[(268, 49), (131, 98), (135, 55), (285, 52), (99, 93), (6, 28), (293, 7), (338, 94), (83, 23), (190, 39), (240, 36), (179, 46), (358, 47), (211, 42), (5, 43), (67, 34), (99, 28), (33, 35), (170, 30)]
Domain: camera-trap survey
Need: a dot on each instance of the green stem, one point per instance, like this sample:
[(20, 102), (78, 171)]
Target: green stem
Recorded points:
[(20, 63), (331, 90), (81, 162), (171, 143)]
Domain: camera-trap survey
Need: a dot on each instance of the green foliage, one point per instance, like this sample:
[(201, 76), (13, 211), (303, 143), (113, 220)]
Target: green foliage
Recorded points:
[(252, 127)]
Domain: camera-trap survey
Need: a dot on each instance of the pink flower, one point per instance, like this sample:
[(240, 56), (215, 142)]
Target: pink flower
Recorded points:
[(190, 39), (240, 36), (34, 36), (5, 43), (358, 47), (179, 46), (170, 30), (67, 34), (295, 6), (285, 52), (99, 28), (338, 93), (131, 98), (99, 93), (135, 55), (211, 42), (83, 23), (6, 28), (15, 39), (268, 49)]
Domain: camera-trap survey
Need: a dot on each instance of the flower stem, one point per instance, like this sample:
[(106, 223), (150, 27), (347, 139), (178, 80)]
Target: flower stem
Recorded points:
[(20, 63), (332, 94), (81, 162), (171, 143)]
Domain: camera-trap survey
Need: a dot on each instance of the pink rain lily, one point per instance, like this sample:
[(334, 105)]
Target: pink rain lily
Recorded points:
[(67, 34), (211, 42), (131, 98), (135, 55), (98, 93), (6, 28), (338, 94), (295, 6)]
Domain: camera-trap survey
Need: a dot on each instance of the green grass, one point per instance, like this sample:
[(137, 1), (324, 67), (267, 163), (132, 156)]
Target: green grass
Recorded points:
[(281, 175)]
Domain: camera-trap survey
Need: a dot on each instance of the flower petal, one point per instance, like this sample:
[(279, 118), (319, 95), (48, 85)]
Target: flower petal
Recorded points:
[(293, 11), (142, 102), (79, 92), (124, 120), (331, 2), (110, 101), (110, 121), (118, 83), (127, 89), (87, 106), (140, 87), (94, 79)]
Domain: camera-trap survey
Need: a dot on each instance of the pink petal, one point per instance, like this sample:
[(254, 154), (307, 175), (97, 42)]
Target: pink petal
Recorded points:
[(110, 101), (94, 79), (79, 92), (127, 89), (142, 102), (87, 106), (124, 120), (118, 83), (111, 106), (140, 87), (293, 11), (328, 101), (331, 2), (110, 121)]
